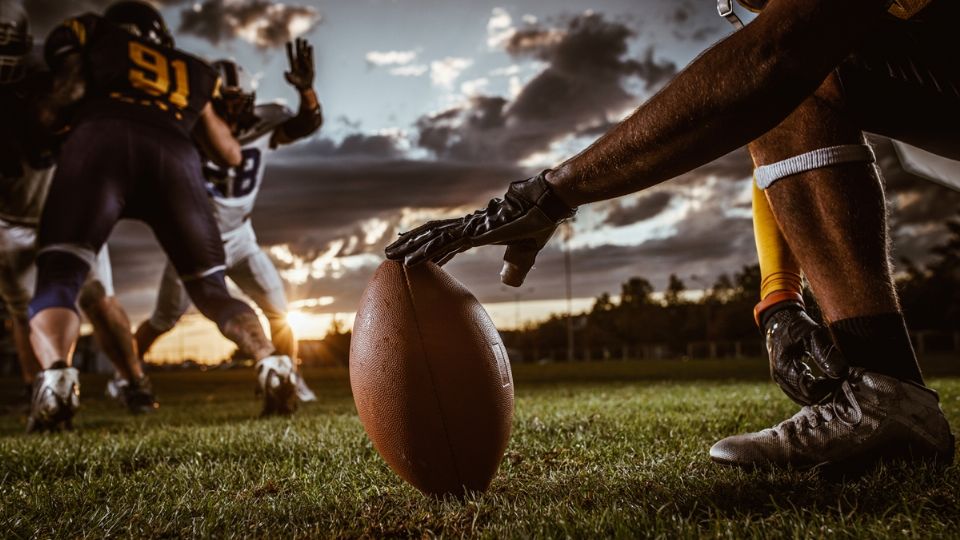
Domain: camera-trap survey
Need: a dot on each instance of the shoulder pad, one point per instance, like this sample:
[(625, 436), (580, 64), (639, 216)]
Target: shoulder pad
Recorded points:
[(270, 117)]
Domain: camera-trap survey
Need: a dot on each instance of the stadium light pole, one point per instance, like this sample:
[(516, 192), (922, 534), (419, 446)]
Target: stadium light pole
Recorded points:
[(567, 234)]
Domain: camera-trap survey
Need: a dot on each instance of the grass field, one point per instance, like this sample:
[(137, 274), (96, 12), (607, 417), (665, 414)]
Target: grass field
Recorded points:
[(614, 449)]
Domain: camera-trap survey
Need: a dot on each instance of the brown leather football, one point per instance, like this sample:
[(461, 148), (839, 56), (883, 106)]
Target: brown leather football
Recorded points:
[(431, 379)]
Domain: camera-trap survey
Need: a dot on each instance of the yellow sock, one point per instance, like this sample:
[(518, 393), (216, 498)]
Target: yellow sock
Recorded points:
[(779, 270)]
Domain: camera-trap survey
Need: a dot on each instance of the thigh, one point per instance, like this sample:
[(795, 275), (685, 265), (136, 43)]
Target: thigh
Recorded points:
[(905, 83), (175, 205), (102, 271), (820, 121), (88, 191), (172, 299), (17, 266), (258, 278)]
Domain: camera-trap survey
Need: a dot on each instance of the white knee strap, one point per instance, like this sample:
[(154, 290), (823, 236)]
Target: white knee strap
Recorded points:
[(819, 158)]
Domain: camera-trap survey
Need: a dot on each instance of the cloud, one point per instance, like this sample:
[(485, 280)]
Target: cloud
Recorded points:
[(264, 23), (390, 58), (499, 27), (415, 70), (641, 209), (917, 207), (444, 72), (580, 91), (370, 146)]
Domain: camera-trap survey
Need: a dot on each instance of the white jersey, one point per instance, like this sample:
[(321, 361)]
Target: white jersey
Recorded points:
[(21, 199), (234, 190)]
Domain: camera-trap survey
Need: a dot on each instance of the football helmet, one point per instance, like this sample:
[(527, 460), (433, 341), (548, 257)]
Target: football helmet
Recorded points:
[(15, 41), (140, 19), (237, 94)]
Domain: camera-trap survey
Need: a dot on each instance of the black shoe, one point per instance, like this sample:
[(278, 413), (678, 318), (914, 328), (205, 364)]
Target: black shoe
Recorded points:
[(871, 418), (138, 396)]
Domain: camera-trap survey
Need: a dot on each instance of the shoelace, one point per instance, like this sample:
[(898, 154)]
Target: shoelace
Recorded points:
[(815, 415)]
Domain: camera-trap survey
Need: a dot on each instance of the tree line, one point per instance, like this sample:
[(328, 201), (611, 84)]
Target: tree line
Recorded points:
[(641, 322)]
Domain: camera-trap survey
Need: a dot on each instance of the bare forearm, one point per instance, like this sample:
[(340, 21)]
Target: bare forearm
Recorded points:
[(215, 140), (727, 97)]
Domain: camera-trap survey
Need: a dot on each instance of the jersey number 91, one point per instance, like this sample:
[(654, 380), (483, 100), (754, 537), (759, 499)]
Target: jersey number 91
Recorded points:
[(153, 74)]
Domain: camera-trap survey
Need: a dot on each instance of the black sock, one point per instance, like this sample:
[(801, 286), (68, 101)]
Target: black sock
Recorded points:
[(878, 343)]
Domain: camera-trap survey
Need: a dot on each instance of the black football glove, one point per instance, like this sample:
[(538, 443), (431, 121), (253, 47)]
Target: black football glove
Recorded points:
[(794, 342), (300, 55), (523, 220)]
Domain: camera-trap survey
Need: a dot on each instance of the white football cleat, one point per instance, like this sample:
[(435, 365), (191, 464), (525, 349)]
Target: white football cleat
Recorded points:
[(56, 396), (277, 382), (115, 388), (304, 393)]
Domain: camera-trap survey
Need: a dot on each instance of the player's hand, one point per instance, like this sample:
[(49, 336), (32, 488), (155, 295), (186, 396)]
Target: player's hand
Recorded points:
[(794, 343), (523, 220), (300, 55)]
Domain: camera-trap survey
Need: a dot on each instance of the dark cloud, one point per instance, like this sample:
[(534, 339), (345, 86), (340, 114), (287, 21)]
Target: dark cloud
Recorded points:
[(355, 144), (918, 207), (315, 195), (581, 87), (645, 207), (697, 21), (264, 23)]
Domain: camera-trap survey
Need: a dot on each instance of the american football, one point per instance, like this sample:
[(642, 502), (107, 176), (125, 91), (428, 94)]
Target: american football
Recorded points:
[(431, 379)]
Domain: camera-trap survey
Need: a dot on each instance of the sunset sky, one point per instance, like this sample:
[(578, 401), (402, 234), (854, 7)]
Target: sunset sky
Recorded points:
[(432, 107)]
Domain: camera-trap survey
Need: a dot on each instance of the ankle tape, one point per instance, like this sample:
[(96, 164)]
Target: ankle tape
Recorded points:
[(816, 159)]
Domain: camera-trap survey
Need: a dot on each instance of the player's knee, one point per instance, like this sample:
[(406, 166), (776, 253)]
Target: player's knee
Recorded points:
[(93, 297), (60, 275), (209, 294), (161, 324)]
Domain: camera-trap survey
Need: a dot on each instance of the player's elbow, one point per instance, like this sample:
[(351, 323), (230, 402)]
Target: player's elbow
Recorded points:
[(231, 155), (304, 124)]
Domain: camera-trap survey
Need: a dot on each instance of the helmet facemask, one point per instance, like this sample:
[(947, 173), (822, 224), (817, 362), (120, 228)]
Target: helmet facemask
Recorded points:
[(15, 45)]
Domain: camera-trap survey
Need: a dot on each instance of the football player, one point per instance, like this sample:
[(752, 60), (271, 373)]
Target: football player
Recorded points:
[(140, 109), (798, 84), (234, 190), (26, 168)]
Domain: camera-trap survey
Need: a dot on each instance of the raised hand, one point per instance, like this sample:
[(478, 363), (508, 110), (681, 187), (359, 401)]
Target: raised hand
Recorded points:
[(300, 55)]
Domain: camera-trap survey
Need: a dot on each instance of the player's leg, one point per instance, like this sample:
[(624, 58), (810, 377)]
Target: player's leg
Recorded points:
[(84, 202), (111, 328), (794, 341), (181, 216), (833, 217), (172, 303), (17, 275), (258, 278)]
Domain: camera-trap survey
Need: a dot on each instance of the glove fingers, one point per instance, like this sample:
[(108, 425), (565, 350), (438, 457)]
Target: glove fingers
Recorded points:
[(826, 356), (794, 377), (518, 259), (439, 248), (411, 241)]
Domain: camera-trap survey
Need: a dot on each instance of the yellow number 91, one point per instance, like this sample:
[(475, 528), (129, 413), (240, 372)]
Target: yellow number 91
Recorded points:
[(154, 75)]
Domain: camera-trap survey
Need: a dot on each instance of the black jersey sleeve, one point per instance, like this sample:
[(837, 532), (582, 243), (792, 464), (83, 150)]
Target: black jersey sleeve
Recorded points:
[(68, 38)]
